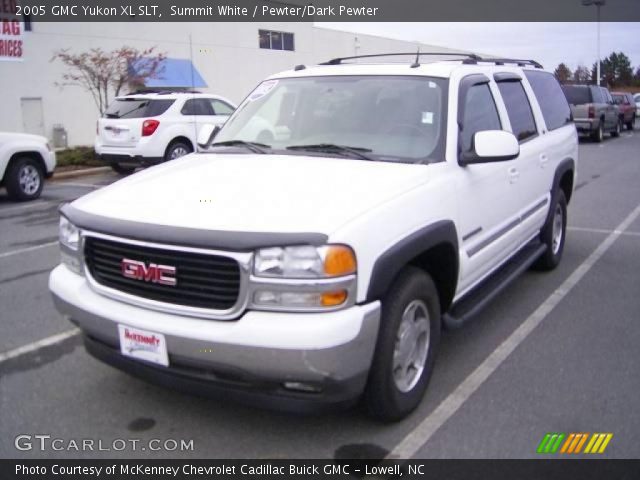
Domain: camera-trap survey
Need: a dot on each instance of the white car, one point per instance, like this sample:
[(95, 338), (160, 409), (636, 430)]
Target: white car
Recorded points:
[(636, 98), (25, 161), (149, 128), (342, 216)]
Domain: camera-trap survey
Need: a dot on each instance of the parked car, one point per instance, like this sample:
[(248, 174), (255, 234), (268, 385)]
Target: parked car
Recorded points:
[(391, 201), (25, 161), (593, 110), (149, 128), (627, 106), (636, 99)]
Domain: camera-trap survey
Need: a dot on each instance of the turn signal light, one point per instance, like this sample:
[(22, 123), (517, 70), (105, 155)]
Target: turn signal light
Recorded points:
[(149, 127), (339, 260), (332, 299)]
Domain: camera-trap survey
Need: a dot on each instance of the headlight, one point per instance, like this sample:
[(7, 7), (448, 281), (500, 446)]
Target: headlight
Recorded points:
[(69, 234), (304, 278), (305, 261)]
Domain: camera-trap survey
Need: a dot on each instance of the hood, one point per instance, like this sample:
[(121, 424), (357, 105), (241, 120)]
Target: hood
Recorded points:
[(21, 137), (255, 193)]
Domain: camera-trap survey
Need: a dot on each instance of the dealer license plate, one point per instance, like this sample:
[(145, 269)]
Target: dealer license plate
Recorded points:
[(143, 345)]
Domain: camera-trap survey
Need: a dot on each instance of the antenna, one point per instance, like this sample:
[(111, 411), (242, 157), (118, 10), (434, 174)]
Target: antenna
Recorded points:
[(416, 64), (193, 89)]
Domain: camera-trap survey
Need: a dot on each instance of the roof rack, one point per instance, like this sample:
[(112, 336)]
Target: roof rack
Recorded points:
[(144, 91), (468, 58)]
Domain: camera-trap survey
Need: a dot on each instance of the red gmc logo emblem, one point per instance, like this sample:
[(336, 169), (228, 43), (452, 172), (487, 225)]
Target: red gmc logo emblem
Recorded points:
[(154, 273)]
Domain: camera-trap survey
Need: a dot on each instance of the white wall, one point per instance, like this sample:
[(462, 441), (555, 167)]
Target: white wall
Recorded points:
[(226, 55)]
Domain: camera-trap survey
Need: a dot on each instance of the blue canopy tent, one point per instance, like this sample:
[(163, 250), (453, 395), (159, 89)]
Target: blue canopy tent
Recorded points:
[(173, 73)]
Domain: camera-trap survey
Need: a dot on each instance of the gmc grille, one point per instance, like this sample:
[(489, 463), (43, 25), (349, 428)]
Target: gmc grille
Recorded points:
[(203, 281)]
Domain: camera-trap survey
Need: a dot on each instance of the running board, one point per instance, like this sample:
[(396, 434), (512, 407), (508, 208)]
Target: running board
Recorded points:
[(478, 298)]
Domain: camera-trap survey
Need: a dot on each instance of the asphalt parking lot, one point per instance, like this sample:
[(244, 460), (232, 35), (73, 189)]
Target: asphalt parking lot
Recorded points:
[(557, 352)]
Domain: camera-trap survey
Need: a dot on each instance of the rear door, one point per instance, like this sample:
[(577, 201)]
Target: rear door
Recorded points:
[(489, 198), (557, 141), (534, 152), (121, 125)]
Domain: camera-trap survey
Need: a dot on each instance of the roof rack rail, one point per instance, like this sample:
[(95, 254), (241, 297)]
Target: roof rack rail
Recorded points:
[(471, 57), (467, 58), (144, 91), (502, 61)]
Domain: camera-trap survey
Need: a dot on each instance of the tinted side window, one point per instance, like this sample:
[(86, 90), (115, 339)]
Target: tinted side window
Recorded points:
[(606, 95), (596, 94), (480, 113), (519, 110), (552, 101), (158, 107), (197, 106)]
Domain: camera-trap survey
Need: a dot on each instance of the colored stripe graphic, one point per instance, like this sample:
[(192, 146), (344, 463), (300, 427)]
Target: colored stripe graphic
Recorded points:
[(573, 443), (550, 443), (598, 443)]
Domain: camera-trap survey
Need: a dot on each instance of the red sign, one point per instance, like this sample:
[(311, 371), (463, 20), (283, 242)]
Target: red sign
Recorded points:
[(11, 33)]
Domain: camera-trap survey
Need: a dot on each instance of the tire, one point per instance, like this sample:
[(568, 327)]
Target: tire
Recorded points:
[(412, 301), (176, 150), (631, 123), (616, 132), (598, 135), (24, 179), (551, 236), (122, 170)]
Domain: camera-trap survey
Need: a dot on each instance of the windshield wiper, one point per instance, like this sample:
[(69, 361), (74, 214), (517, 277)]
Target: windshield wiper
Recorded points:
[(357, 152), (255, 147)]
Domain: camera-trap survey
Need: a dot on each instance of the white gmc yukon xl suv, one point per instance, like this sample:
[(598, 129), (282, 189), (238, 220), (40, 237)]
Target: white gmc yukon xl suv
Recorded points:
[(339, 220)]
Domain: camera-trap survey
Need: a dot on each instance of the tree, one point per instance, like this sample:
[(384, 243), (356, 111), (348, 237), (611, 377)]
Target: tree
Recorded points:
[(563, 73), (104, 74), (581, 75), (615, 70)]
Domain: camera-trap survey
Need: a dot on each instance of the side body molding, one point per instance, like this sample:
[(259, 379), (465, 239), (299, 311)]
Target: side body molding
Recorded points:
[(389, 264)]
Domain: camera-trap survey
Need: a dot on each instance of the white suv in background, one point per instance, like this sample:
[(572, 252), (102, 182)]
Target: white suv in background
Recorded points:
[(149, 128)]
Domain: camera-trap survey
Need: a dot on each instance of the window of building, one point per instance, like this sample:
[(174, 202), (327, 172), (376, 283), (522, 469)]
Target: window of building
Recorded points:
[(276, 40), (28, 26), (480, 113), (518, 109)]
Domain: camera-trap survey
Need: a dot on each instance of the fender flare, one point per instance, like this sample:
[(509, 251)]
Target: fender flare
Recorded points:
[(389, 264), (568, 164)]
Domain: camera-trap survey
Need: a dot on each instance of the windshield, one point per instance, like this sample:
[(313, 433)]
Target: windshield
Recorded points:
[(391, 118)]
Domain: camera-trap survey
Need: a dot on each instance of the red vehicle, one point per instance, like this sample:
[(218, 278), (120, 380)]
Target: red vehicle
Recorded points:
[(627, 106)]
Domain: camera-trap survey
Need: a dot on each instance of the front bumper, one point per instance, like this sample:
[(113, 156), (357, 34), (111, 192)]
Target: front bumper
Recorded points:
[(250, 358)]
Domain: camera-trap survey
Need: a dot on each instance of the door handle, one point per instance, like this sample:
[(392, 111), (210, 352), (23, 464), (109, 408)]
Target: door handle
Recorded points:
[(543, 160), (514, 175)]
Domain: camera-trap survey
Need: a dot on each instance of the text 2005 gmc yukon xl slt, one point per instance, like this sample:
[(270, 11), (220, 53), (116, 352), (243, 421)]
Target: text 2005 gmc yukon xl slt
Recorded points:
[(344, 214)]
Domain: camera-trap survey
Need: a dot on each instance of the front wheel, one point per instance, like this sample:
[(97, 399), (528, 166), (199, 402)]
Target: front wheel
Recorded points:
[(24, 180), (406, 347), (553, 234)]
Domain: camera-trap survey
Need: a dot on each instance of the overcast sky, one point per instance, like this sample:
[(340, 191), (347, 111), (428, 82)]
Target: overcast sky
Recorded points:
[(548, 43)]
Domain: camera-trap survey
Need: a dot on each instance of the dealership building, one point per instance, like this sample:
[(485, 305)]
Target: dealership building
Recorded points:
[(231, 58)]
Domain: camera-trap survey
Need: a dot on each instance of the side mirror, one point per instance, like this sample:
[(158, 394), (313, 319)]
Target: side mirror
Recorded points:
[(207, 134), (491, 146)]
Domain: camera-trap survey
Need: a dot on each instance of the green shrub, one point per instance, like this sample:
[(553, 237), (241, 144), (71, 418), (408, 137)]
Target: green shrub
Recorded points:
[(81, 156)]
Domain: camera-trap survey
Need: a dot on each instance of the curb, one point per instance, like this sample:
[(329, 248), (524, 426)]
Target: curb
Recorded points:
[(79, 173)]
